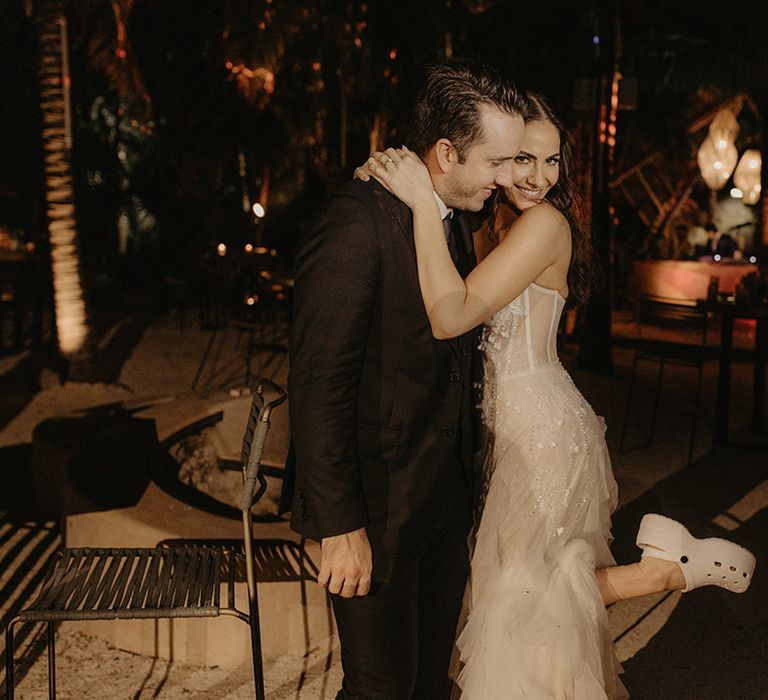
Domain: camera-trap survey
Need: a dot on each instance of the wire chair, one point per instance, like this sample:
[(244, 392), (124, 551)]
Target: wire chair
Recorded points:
[(662, 312), (176, 579)]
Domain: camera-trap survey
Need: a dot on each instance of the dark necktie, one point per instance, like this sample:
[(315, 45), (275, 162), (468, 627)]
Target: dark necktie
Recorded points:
[(450, 237)]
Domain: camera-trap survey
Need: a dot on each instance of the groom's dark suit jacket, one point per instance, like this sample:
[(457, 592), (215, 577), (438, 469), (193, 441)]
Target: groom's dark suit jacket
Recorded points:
[(381, 413)]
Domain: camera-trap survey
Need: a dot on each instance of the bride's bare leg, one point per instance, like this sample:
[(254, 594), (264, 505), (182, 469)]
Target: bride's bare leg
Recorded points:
[(675, 560), (649, 575)]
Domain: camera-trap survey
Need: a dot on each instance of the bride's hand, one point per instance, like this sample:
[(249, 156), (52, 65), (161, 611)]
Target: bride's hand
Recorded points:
[(402, 172)]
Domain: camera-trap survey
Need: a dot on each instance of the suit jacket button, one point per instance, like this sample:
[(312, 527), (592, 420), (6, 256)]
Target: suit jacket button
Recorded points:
[(454, 377), (465, 351), (447, 430)]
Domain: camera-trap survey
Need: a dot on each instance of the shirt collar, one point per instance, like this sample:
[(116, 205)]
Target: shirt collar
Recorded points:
[(445, 212)]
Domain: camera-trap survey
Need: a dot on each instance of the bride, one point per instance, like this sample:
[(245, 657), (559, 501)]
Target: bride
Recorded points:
[(541, 570)]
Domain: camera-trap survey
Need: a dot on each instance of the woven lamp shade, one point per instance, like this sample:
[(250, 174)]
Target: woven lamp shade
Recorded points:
[(747, 175), (717, 156), (724, 128), (716, 164)]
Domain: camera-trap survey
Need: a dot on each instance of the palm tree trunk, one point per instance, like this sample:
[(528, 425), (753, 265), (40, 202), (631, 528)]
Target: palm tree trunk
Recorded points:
[(72, 328)]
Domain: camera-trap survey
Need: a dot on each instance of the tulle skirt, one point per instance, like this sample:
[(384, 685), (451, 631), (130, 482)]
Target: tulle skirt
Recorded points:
[(534, 623)]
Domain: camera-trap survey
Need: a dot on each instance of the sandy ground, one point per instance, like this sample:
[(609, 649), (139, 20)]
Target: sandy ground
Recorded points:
[(164, 364)]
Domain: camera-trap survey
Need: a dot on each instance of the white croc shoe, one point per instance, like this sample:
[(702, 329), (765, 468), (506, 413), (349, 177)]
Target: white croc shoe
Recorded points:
[(706, 562)]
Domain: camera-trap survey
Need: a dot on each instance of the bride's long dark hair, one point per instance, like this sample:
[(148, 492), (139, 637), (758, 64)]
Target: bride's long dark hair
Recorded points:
[(583, 273)]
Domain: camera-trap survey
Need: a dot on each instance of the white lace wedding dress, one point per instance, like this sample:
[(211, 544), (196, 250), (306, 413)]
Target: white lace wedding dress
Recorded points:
[(536, 626)]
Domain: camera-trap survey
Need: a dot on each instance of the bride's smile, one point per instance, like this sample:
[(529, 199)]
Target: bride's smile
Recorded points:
[(536, 169)]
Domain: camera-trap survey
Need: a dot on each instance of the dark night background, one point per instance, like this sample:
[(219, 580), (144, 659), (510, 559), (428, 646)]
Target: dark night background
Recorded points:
[(168, 135), (187, 114)]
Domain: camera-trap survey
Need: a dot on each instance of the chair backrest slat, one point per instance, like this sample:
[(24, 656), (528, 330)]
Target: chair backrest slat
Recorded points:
[(162, 597), (149, 593), (134, 592), (93, 586), (663, 312)]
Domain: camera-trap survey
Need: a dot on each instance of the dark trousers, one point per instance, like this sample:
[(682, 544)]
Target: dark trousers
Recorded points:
[(396, 642)]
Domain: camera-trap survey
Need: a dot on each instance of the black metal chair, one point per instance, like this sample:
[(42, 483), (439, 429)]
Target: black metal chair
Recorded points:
[(176, 579), (670, 314)]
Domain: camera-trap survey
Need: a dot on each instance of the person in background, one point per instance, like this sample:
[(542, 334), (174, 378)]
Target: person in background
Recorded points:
[(721, 244), (698, 240)]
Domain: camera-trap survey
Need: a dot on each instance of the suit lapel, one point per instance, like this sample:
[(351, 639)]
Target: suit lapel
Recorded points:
[(404, 218)]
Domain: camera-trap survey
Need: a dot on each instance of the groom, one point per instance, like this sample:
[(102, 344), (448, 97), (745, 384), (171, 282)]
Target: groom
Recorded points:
[(381, 412)]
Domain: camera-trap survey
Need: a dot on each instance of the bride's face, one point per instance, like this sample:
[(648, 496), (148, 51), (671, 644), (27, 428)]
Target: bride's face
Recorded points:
[(536, 168)]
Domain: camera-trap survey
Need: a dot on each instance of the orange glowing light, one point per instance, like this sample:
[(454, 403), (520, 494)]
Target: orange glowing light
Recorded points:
[(393, 54), (255, 84)]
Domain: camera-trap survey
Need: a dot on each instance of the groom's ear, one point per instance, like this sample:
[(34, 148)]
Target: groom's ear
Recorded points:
[(446, 155)]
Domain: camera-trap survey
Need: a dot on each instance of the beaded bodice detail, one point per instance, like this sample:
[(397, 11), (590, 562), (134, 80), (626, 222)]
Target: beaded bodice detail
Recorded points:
[(520, 339)]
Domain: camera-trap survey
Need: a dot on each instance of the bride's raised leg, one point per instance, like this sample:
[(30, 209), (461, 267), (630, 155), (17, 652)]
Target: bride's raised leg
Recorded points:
[(649, 575), (675, 560)]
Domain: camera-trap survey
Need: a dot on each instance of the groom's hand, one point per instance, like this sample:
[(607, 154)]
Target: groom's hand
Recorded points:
[(346, 563)]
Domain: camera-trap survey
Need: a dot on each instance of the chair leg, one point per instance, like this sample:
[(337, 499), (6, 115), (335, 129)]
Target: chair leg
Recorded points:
[(304, 610), (248, 361), (696, 401), (629, 404), (204, 360), (258, 668), (656, 402), (305, 622), (51, 661), (253, 607), (9, 690)]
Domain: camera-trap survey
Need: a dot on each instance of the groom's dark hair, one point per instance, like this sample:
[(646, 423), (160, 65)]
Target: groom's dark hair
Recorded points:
[(448, 104)]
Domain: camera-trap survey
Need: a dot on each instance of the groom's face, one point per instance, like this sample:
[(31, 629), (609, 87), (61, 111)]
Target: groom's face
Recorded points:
[(488, 163)]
